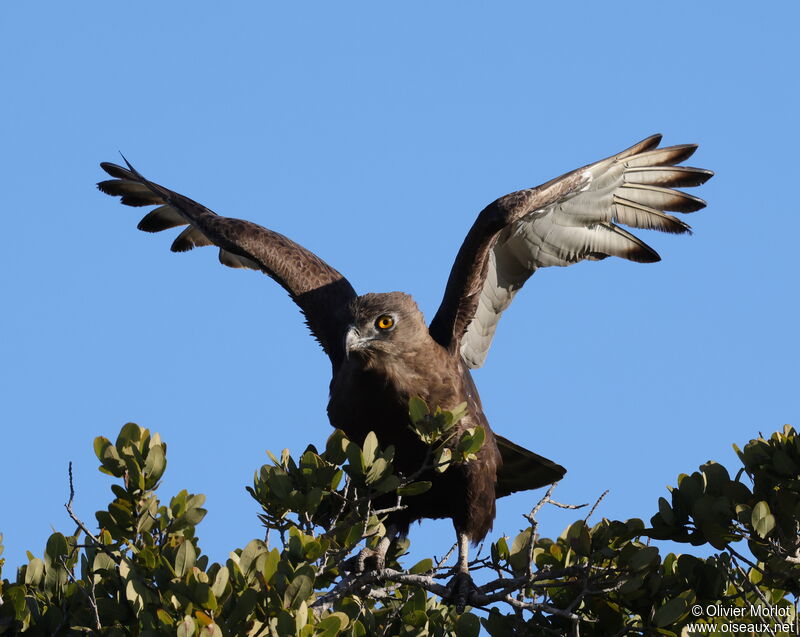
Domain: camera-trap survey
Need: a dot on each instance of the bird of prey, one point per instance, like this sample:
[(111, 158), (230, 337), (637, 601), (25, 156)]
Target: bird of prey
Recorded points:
[(381, 351)]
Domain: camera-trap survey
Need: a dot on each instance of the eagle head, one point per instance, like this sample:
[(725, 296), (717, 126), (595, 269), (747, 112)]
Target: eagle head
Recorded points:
[(384, 324)]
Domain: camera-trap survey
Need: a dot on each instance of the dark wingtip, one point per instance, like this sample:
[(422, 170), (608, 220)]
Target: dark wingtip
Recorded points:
[(133, 171), (127, 163), (107, 187), (655, 139), (645, 255)]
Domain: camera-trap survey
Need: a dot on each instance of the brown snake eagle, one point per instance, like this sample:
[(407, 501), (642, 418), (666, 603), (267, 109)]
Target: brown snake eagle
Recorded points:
[(382, 352)]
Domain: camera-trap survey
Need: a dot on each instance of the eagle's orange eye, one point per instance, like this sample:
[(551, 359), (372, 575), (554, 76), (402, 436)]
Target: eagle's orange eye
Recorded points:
[(384, 322)]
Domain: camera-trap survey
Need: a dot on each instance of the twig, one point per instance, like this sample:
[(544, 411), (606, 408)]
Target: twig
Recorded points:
[(735, 554), (541, 503), (568, 506), (531, 518), (344, 501), (446, 557), (748, 583), (596, 504), (90, 597), (324, 602), (82, 526), (397, 507)]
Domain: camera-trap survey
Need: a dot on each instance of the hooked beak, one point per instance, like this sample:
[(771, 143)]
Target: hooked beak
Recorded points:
[(353, 341)]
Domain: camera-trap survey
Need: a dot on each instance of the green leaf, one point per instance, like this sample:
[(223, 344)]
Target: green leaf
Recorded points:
[(193, 516), (220, 582), (270, 565), (285, 624), (377, 470), (715, 477), (335, 447), (458, 412), (108, 456), (762, 520), (247, 560), (184, 558), (502, 548), (783, 464), (416, 618), (313, 499), (665, 510), (332, 625), (415, 488), (211, 630), (353, 535), (423, 566), (441, 460), (389, 483), (670, 612), (690, 486), (468, 625), (417, 409), (301, 618), (164, 617), (298, 591), (147, 558), (136, 593), (280, 484), (34, 572), (135, 477), (155, 465), (356, 459), (499, 625), (577, 538), (55, 554), (202, 594), (369, 448), (130, 434), (518, 555), (472, 440), (643, 558), (186, 627)]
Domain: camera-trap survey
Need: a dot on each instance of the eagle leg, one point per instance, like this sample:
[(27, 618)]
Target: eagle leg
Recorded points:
[(372, 559), (461, 585)]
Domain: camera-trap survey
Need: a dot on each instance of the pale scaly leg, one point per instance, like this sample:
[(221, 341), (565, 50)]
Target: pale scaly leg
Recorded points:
[(461, 585), (372, 559)]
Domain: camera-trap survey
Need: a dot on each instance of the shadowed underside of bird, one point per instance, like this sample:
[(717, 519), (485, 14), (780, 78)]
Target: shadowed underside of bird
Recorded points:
[(380, 349)]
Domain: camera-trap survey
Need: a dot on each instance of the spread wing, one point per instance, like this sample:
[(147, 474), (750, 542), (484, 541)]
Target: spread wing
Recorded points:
[(522, 469), (321, 292), (569, 219)]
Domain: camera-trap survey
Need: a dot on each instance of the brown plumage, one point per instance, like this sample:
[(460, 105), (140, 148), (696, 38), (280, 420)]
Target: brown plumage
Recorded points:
[(381, 351)]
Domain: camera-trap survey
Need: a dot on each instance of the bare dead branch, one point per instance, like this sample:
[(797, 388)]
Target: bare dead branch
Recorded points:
[(596, 504), (96, 542)]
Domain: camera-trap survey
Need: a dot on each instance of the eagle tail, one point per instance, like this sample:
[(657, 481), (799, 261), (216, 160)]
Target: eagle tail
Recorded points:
[(523, 470)]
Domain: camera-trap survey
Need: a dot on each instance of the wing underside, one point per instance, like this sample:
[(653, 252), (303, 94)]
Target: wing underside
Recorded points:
[(636, 188)]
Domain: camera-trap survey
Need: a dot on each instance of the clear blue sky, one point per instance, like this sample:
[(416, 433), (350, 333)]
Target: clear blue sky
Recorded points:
[(373, 133)]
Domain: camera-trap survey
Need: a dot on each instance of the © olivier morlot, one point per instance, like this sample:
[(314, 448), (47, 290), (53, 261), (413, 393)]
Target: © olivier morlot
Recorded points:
[(382, 352)]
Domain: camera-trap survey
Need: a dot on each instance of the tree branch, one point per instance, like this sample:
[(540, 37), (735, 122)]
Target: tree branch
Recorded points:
[(82, 526)]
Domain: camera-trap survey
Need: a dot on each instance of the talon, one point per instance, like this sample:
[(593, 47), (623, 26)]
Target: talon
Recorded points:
[(367, 560), (459, 591)]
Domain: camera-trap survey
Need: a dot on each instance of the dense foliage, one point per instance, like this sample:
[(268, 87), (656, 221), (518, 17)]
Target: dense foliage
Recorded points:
[(143, 572)]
